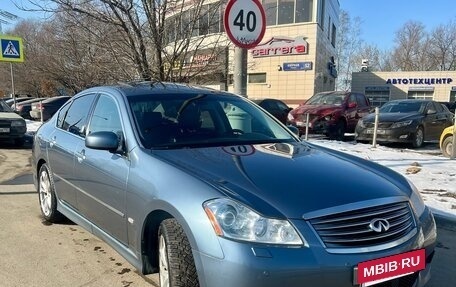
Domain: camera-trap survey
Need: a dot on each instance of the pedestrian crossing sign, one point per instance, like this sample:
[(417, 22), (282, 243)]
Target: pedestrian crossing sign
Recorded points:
[(11, 49)]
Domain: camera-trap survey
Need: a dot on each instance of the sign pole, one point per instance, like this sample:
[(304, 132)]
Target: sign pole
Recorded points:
[(12, 84), (245, 24), (240, 71)]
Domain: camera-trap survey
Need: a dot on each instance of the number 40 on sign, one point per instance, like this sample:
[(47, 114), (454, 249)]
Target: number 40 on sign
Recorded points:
[(244, 22)]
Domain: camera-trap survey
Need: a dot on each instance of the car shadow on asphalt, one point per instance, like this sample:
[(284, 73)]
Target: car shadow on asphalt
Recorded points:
[(11, 145)]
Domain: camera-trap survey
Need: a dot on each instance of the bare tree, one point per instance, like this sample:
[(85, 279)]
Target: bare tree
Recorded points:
[(412, 42), (348, 45), (443, 46), (155, 37)]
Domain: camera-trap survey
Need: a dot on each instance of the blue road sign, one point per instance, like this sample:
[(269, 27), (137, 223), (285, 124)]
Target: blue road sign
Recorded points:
[(11, 49)]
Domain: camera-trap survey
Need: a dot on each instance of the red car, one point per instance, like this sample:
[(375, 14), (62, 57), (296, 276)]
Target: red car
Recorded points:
[(330, 113)]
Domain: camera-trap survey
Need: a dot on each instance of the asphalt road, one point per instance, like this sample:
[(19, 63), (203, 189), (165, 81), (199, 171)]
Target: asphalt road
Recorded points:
[(34, 253)]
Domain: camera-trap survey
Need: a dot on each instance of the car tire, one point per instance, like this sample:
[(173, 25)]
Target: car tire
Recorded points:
[(447, 146), (338, 132), (47, 197), (418, 137), (175, 258)]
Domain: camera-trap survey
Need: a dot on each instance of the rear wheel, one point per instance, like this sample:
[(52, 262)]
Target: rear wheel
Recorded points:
[(447, 146), (175, 258), (47, 198), (418, 138)]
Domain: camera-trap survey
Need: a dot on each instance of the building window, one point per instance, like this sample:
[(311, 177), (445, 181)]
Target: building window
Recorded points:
[(270, 9), (322, 14), (333, 35), (378, 98), (420, 95), (188, 24), (452, 96), (280, 12), (285, 12), (257, 78), (304, 10)]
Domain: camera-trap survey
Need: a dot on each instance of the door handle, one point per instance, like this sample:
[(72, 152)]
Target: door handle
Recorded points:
[(81, 156)]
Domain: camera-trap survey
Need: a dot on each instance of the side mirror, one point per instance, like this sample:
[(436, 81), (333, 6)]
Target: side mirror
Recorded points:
[(352, 105), (103, 141), (293, 129), (431, 112)]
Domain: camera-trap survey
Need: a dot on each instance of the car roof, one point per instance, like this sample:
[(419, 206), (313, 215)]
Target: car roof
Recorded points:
[(53, 99), (30, 101), (158, 88)]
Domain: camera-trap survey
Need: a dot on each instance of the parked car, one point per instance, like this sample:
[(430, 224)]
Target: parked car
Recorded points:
[(330, 113), (12, 126), (191, 181), (10, 101), (23, 108), (47, 107), (406, 121), (275, 107), (446, 141), (450, 106)]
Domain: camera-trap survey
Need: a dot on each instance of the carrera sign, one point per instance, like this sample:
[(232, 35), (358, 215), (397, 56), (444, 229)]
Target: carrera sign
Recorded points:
[(281, 46)]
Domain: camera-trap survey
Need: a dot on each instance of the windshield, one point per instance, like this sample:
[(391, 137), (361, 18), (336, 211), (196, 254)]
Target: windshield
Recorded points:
[(403, 107), (4, 107), (193, 120), (326, 99)]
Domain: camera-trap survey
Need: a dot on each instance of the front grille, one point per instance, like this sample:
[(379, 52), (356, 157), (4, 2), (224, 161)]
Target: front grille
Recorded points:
[(351, 229), (5, 124), (380, 125)]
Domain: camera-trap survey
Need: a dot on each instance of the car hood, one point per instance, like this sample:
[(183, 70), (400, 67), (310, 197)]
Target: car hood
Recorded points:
[(287, 180), (9, 116), (316, 109), (392, 117)]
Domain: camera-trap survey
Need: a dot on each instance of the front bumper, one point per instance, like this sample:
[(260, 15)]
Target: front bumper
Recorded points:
[(14, 133), (316, 126), (263, 265), (397, 135)]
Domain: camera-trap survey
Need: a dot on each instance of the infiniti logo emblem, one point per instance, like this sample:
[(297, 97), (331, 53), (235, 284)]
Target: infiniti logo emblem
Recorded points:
[(379, 225)]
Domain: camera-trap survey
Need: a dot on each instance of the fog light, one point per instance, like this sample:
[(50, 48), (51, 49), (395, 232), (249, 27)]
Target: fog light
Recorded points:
[(403, 136)]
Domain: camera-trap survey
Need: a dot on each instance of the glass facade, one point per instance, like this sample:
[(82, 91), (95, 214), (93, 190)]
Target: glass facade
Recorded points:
[(210, 18), (421, 95), (280, 12), (189, 23)]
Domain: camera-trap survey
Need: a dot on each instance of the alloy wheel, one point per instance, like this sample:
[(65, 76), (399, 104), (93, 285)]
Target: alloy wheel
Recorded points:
[(45, 193), (163, 262)]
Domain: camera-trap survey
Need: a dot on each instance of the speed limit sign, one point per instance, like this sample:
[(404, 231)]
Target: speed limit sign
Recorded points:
[(245, 22)]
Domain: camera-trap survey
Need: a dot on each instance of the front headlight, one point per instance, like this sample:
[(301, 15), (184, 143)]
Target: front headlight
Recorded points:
[(233, 220), (290, 117), (401, 124), (328, 118), (18, 123), (416, 200)]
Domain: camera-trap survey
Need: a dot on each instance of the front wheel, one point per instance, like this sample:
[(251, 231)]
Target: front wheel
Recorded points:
[(418, 139), (447, 146), (338, 132), (175, 258), (47, 198)]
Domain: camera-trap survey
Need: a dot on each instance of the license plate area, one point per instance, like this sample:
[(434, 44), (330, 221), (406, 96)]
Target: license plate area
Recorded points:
[(375, 271), (379, 132), (4, 130)]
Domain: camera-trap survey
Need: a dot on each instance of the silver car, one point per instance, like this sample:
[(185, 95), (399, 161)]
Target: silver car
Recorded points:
[(208, 189)]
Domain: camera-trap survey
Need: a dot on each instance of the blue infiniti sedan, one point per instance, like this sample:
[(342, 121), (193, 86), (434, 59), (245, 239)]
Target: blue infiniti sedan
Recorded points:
[(208, 189)]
